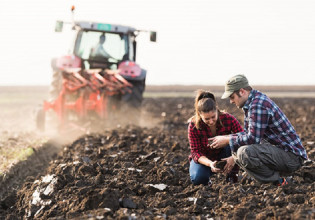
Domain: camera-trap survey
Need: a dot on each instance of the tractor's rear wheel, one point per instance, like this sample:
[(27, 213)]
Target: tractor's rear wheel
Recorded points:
[(131, 103)]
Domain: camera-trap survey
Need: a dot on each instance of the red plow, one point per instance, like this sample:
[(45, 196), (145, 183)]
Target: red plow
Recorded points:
[(84, 93)]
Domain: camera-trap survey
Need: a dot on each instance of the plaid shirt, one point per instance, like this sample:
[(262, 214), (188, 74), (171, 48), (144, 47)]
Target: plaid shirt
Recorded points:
[(198, 139), (264, 120)]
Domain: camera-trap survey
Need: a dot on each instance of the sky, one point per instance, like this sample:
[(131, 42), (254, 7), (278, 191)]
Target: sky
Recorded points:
[(201, 42)]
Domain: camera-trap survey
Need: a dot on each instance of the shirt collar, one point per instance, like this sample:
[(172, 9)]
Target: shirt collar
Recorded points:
[(249, 100)]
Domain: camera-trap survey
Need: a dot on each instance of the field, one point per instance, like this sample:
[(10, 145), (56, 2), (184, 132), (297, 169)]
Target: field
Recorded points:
[(140, 172)]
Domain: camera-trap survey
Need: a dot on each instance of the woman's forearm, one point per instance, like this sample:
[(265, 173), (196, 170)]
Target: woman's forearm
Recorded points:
[(205, 161)]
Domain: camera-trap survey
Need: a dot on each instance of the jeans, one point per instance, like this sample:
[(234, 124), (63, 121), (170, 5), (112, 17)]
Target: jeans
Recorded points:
[(199, 173)]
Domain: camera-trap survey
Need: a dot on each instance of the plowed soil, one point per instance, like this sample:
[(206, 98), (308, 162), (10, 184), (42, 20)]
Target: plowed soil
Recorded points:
[(142, 172)]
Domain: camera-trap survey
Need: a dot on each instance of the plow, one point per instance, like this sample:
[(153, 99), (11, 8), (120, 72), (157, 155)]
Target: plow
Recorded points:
[(86, 94)]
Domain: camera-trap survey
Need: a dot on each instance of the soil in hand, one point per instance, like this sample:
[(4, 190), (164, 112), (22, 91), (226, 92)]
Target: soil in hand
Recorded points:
[(220, 164)]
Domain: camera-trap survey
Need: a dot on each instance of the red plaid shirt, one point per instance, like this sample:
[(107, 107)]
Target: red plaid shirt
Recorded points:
[(198, 139)]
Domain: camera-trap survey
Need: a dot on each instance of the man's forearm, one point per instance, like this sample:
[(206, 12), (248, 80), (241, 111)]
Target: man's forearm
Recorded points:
[(227, 140)]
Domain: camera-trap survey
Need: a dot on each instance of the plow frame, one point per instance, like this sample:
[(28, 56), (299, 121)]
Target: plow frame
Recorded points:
[(84, 92)]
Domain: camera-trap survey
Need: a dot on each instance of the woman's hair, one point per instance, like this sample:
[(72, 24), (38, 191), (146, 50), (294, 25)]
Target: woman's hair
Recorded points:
[(204, 102)]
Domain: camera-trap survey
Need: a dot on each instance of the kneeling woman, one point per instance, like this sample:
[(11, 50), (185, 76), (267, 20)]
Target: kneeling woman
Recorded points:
[(208, 122)]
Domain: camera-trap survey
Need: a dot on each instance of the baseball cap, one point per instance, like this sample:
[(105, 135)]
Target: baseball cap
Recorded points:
[(234, 84)]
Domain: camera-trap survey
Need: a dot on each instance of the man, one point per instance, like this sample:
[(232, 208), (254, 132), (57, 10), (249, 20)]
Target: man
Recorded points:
[(99, 51), (269, 148)]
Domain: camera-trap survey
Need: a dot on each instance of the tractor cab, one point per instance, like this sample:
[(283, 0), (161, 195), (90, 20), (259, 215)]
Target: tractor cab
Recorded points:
[(100, 45), (103, 49), (104, 45)]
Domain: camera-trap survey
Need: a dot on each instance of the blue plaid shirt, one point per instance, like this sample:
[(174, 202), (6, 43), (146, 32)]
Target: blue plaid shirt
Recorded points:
[(264, 120)]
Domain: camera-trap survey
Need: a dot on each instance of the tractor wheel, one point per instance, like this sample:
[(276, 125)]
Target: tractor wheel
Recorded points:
[(40, 120), (56, 85), (131, 103)]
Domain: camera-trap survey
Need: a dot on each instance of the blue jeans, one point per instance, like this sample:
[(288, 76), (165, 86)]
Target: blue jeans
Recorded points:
[(199, 173)]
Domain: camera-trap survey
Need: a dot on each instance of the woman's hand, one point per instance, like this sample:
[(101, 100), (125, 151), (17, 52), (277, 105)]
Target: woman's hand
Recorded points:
[(229, 164), (212, 165), (205, 161), (218, 142)]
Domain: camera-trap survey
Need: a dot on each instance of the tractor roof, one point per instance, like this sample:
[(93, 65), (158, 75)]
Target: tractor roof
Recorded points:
[(104, 27)]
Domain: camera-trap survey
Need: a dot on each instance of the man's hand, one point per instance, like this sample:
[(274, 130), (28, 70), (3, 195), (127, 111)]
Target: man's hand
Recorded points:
[(219, 142), (229, 164)]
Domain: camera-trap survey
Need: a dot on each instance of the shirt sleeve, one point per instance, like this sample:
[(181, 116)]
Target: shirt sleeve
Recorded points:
[(194, 142), (255, 126)]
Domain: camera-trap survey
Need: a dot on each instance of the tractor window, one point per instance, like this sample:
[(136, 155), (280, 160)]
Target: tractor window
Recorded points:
[(111, 45)]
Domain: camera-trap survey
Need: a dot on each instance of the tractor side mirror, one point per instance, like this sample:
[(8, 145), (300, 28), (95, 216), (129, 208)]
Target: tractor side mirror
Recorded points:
[(153, 36), (59, 26)]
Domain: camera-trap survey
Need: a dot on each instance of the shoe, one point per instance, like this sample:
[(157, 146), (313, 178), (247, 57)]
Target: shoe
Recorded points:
[(282, 181), (210, 183)]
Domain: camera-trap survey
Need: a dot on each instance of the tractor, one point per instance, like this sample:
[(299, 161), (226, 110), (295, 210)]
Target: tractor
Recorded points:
[(98, 81)]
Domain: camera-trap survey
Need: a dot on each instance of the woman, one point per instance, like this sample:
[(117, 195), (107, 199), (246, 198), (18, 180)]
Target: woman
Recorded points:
[(208, 122)]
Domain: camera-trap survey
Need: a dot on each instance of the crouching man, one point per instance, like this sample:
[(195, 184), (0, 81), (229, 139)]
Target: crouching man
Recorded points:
[(269, 148)]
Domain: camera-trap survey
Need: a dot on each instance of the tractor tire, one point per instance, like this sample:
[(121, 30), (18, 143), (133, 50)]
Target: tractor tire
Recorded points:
[(56, 85), (40, 120), (131, 103)]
